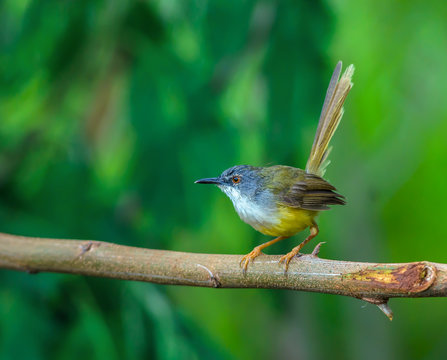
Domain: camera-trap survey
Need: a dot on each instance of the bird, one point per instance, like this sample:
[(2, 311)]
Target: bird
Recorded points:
[(281, 200)]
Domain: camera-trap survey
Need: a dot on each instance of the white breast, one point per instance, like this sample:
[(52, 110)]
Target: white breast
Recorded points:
[(256, 215)]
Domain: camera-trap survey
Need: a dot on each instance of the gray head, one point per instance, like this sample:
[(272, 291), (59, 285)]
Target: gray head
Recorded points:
[(245, 186), (237, 181)]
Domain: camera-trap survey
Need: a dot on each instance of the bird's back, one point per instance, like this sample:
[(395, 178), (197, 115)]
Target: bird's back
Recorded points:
[(299, 196)]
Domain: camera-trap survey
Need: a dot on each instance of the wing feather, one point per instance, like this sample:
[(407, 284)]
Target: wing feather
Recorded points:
[(312, 193)]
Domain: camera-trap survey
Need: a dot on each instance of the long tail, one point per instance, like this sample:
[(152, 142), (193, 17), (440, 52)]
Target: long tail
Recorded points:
[(330, 117)]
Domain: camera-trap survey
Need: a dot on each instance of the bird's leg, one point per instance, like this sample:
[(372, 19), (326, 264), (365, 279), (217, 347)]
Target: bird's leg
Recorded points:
[(257, 251), (289, 256)]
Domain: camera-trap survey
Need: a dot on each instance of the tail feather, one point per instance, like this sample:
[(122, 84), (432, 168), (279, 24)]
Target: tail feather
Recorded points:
[(330, 117)]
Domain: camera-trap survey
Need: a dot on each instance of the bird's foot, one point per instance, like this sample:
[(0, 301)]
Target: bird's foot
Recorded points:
[(288, 257), (249, 257), (296, 250)]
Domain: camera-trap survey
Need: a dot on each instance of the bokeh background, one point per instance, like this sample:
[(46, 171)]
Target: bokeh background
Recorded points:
[(109, 110)]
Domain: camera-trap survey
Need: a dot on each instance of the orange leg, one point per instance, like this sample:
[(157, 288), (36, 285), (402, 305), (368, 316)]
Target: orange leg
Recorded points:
[(257, 251), (289, 256)]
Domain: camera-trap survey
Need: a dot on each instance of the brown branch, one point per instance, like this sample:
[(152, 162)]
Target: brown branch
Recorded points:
[(374, 283)]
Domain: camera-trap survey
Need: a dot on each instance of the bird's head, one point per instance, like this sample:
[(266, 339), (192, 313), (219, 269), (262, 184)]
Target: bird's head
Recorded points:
[(238, 182)]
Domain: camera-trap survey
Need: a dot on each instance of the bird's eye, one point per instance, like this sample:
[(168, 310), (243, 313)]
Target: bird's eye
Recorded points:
[(236, 179)]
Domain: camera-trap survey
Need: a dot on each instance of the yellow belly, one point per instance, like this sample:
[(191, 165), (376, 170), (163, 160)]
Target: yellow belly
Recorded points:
[(292, 221)]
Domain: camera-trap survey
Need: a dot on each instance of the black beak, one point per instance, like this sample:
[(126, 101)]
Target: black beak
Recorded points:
[(216, 181)]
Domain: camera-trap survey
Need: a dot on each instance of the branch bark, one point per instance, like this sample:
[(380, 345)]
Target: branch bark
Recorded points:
[(371, 282)]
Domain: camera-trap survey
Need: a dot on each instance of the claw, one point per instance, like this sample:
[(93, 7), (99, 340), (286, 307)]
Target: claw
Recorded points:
[(287, 258), (249, 257), (256, 252)]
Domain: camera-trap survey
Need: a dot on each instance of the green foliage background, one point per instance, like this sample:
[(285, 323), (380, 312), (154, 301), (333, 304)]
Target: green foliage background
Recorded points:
[(109, 110)]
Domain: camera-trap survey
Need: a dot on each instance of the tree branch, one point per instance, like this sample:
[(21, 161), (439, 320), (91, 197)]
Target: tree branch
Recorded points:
[(372, 282)]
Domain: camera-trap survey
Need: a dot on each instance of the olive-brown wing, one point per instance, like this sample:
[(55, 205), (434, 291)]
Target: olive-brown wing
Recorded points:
[(312, 192)]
